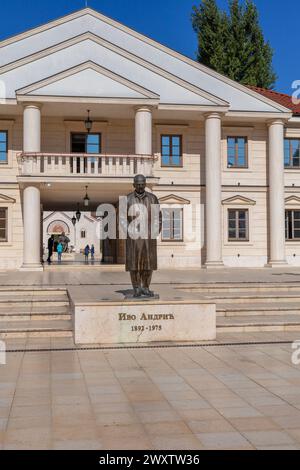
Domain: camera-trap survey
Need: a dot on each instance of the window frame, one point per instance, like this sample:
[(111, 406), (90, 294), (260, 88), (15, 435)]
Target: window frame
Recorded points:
[(86, 143), (236, 156), (293, 239), (172, 239), (237, 228), (170, 137), (6, 240), (5, 131), (81, 232), (291, 167)]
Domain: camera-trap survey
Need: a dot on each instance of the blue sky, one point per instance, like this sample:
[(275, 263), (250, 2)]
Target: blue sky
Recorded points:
[(168, 21)]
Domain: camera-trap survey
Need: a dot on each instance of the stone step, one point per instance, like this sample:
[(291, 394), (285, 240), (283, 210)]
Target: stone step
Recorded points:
[(30, 301), (255, 297), (37, 313), (258, 309), (240, 324), (242, 287), (36, 291), (35, 328)]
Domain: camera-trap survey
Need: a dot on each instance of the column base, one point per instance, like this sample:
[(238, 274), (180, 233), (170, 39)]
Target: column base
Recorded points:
[(214, 265), (31, 268), (277, 264)]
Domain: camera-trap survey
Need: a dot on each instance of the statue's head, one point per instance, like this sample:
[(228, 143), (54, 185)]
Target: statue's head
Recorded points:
[(139, 184)]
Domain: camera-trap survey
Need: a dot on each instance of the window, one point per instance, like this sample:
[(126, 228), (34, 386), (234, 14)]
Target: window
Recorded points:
[(85, 143), (237, 152), (238, 225), (3, 224), (292, 225), (291, 153), (3, 147), (171, 150), (172, 224), (83, 234)]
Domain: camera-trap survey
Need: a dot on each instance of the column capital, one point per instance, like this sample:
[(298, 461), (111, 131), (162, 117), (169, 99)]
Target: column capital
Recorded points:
[(276, 121), (213, 115), (29, 104), (146, 109)]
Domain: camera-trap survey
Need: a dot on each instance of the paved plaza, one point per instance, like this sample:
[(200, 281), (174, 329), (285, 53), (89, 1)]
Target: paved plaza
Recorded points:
[(238, 392), (223, 396)]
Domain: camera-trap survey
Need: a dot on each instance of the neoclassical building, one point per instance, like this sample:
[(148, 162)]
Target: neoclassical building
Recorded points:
[(222, 158)]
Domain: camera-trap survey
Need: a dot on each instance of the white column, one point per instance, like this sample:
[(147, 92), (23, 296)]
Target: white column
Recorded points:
[(32, 128), (213, 220), (143, 131), (31, 193), (276, 194), (32, 228)]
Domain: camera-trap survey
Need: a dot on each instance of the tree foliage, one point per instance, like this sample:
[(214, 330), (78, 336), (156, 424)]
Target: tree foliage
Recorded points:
[(233, 44)]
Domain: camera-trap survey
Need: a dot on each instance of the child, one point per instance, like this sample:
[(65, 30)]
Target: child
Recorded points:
[(59, 251)]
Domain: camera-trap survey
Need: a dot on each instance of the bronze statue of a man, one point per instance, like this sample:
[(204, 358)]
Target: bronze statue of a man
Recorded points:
[(144, 219)]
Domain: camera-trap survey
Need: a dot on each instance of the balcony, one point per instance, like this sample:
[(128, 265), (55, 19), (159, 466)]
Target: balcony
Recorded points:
[(87, 165)]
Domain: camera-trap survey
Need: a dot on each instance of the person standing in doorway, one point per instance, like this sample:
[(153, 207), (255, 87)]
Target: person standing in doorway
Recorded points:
[(60, 249), (86, 253), (50, 248)]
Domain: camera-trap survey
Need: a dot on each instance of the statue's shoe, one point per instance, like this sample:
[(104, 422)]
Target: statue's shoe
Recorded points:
[(137, 292)]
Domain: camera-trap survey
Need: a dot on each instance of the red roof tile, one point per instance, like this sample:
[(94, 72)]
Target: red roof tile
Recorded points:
[(281, 98)]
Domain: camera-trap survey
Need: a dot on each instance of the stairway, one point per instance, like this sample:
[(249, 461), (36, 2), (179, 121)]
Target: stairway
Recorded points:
[(243, 307), (34, 313)]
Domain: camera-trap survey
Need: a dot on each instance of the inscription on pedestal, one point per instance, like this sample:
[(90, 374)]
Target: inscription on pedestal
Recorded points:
[(133, 323), (141, 322)]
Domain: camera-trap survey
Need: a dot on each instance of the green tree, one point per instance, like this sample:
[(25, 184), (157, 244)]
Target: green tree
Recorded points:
[(210, 24), (234, 44)]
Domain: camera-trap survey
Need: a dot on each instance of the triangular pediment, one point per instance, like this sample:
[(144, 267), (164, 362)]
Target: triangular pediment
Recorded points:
[(238, 200), (173, 199), (292, 200), (88, 80), (58, 45), (6, 199)]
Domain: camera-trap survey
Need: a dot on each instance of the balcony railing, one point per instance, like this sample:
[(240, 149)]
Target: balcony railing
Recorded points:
[(90, 165)]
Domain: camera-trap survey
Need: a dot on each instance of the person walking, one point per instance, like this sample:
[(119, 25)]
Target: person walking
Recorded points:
[(60, 249), (93, 253), (50, 248), (86, 253)]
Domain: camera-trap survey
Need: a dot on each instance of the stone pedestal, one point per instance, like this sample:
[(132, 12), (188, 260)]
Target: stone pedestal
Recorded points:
[(154, 321)]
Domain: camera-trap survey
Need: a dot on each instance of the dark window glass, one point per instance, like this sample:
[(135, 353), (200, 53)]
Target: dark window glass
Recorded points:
[(292, 225), (3, 224), (86, 143), (292, 153), (171, 150), (237, 149), (238, 225), (3, 147)]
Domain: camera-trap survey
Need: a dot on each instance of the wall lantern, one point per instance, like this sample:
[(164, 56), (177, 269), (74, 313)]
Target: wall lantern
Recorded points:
[(88, 123), (86, 200), (78, 213)]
